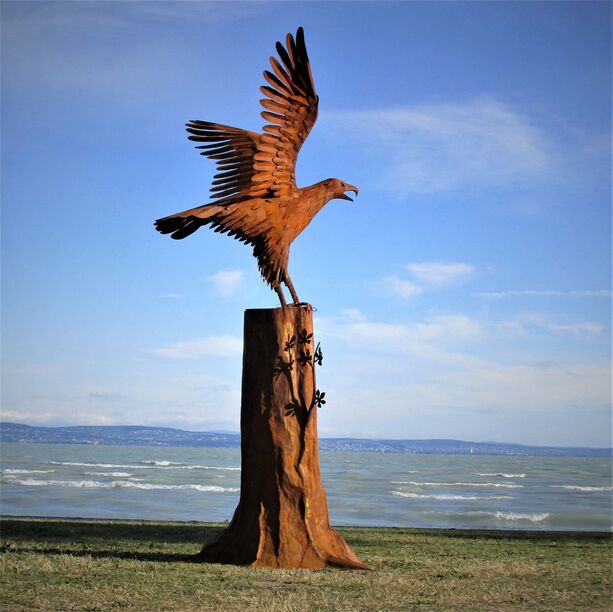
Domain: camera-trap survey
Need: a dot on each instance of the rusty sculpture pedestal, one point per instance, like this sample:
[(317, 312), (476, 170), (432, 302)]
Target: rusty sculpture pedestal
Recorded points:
[(282, 516)]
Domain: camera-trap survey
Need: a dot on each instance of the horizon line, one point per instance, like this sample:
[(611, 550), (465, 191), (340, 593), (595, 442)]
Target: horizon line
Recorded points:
[(336, 437)]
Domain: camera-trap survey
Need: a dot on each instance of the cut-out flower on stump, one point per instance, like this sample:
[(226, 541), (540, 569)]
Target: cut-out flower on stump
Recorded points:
[(304, 337), (290, 344), (318, 398), (318, 358), (292, 408), (283, 366), (305, 357), (296, 352)]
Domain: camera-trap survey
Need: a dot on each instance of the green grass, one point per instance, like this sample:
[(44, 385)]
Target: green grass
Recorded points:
[(96, 565)]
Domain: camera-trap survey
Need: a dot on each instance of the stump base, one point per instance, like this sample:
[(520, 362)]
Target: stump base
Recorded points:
[(282, 516)]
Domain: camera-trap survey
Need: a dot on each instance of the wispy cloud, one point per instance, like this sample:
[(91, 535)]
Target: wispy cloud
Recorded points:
[(499, 295), (211, 346), (429, 275), (227, 282), (588, 327), (104, 396), (353, 313), (453, 373), (52, 418), (120, 57), (443, 147), (434, 340), (401, 287), (117, 15), (438, 274), (171, 296)]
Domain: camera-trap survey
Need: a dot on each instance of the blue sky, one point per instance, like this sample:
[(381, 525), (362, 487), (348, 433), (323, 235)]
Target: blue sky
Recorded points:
[(466, 294)]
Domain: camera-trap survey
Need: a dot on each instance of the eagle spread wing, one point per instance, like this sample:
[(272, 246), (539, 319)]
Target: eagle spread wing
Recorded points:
[(263, 165), (256, 172)]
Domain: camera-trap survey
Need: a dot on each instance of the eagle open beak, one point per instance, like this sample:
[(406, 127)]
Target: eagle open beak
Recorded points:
[(350, 188)]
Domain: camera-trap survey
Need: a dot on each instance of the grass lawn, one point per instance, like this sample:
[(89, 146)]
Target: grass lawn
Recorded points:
[(98, 565)]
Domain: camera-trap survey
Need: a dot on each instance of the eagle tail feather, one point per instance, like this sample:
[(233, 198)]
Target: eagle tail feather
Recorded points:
[(184, 224)]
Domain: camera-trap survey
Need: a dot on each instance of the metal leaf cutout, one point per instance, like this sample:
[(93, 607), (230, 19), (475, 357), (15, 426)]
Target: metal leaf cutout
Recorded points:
[(318, 358), (304, 337), (318, 398), (293, 354)]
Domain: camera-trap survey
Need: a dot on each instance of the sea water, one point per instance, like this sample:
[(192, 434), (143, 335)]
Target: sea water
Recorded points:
[(371, 489)]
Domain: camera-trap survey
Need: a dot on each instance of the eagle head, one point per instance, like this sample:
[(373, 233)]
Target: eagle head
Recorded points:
[(337, 189)]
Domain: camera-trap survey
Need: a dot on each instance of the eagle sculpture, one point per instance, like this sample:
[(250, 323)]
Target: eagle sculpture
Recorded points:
[(256, 197)]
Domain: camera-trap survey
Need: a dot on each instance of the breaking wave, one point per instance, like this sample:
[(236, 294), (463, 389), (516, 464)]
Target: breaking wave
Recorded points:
[(448, 497), (148, 465), (579, 488), (501, 474), (466, 484), (96, 484), (501, 516), (98, 465), (14, 471), (109, 474), (518, 516)]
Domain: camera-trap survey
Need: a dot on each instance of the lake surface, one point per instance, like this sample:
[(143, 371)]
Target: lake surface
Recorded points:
[(373, 489)]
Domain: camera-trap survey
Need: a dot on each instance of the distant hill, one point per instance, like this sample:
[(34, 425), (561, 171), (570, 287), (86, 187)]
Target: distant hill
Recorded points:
[(135, 435)]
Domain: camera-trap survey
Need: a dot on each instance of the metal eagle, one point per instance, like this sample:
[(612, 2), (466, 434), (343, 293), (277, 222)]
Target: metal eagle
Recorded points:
[(256, 197)]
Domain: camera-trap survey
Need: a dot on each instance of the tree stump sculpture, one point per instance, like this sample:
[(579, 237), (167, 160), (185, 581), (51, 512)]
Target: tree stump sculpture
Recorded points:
[(282, 516)]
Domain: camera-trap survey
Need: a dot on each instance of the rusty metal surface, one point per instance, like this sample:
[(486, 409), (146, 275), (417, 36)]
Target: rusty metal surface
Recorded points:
[(256, 199), (282, 516)]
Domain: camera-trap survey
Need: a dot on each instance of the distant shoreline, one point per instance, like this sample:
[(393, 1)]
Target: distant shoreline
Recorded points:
[(136, 435)]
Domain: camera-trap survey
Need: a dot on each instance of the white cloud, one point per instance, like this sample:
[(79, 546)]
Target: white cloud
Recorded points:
[(455, 376), (227, 282), (449, 146), (352, 313), (433, 341), (172, 296), (120, 56), (401, 287), (18, 416), (532, 386), (499, 295), (47, 418), (438, 274), (213, 346), (121, 15), (589, 327)]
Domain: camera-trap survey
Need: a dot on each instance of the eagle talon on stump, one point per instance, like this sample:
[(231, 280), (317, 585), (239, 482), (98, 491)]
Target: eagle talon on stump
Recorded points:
[(256, 199)]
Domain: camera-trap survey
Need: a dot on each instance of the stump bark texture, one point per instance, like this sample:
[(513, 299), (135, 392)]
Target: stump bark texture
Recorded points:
[(282, 516)]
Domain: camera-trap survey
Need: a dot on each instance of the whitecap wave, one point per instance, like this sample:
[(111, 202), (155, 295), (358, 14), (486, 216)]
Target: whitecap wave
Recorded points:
[(467, 484), (501, 474), (580, 488), (448, 497), (194, 487), (500, 515), (230, 468), (518, 516), (96, 484), (98, 465), (148, 465), (16, 471), (109, 474)]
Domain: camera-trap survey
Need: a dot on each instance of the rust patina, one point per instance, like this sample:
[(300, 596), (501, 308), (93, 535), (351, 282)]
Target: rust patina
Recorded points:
[(256, 199)]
